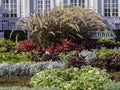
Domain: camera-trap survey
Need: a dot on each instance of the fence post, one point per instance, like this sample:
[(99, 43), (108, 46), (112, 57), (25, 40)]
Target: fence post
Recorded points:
[(28, 34)]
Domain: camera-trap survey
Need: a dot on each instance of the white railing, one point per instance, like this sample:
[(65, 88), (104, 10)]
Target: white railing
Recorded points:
[(97, 34), (112, 22), (7, 23), (1, 35)]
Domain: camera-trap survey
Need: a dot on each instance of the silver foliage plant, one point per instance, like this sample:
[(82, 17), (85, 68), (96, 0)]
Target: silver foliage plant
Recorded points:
[(26, 88), (26, 68), (88, 55), (36, 67)]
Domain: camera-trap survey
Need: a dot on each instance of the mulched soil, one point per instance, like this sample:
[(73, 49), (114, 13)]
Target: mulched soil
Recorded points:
[(115, 75), (15, 81), (24, 80)]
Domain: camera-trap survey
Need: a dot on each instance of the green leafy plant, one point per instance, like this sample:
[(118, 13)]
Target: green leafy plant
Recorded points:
[(86, 78), (34, 56), (111, 62), (6, 45), (96, 51), (118, 43), (104, 52), (13, 57), (111, 86), (106, 42), (65, 57)]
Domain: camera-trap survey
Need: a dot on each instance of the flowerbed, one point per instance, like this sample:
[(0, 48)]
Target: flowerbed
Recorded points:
[(61, 70), (60, 54)]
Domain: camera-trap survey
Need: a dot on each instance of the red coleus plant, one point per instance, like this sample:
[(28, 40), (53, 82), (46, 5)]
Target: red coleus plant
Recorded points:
[(64, 46), (76, 61), (25, 46)]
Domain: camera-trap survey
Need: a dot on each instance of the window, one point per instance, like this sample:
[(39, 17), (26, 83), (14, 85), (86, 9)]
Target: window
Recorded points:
[(73, 2), (81, 3), (13, 15), (5, 24), (65, 1), (5, 4), (110, 8), (47, 5), (39, 6), (5, 15), (5, 1), (13, 1), (11, 24), (13, 8), (78, 2)]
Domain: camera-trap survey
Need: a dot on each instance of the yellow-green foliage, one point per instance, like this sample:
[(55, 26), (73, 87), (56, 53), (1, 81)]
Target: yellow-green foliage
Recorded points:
[(13, 57), (105, 40), (65, 57), (86, 78), (6, 45), (104, 52)]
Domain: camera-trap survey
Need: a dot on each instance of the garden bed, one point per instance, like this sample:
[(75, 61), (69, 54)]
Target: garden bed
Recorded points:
[(61, 56), (11, 81), (15, 81), (115, 75)]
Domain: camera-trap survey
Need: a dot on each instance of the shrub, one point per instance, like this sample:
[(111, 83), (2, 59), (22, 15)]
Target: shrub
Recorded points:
[(37, 67), (50, 57), (104, 52), (25, 46), (35, 56), (111, 86), (76, 61), (86, 78), (88, 55), (64, 46), (117, 35), (111, 62), (71, 22), (89, 44), (26, 68), (13, 57), (6, 45), (96, 51), (65, 57), (106, 42), (15, 34)]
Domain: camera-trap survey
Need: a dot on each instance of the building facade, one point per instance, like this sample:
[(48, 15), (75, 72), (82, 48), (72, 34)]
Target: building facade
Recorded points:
[(107, 8), (12, 10)]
